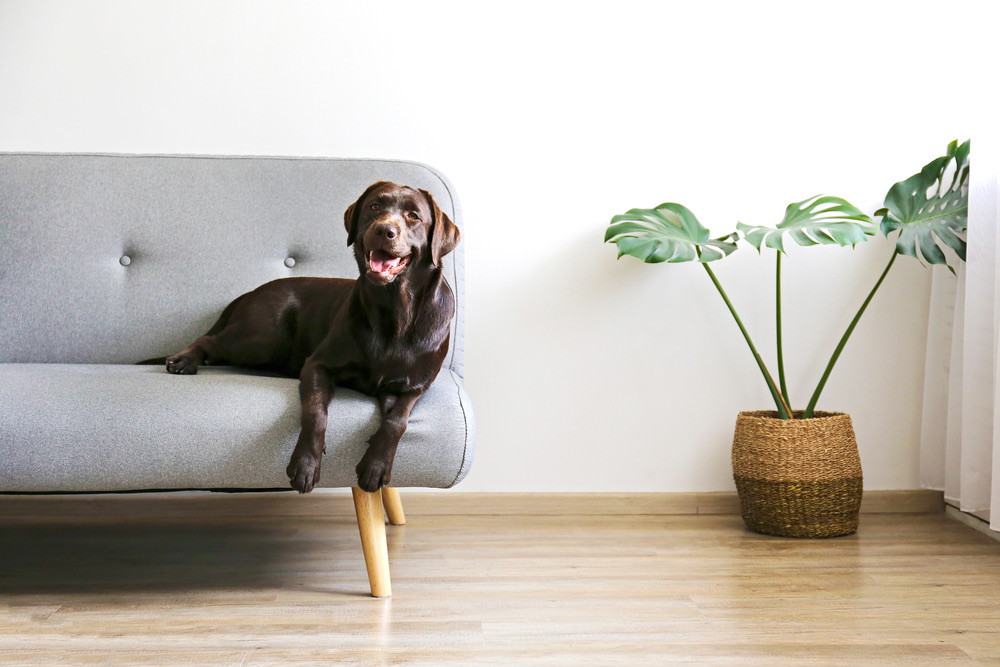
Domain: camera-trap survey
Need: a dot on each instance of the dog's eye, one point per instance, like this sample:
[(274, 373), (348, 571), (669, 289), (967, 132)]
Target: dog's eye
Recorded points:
[(412, 215)]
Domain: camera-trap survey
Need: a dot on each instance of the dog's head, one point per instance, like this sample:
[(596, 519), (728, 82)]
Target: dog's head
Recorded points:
[(395, 228)]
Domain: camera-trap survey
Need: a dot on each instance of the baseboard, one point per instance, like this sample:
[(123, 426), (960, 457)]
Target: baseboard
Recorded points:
[(177, 506), (972, 522), (722, 502)]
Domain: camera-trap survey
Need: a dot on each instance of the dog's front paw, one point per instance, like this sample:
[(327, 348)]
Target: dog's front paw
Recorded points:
[(182, 364), (374, 472), (303, 472)]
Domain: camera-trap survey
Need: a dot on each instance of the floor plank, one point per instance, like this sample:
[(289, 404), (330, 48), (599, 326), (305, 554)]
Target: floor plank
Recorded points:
[(643, 589)]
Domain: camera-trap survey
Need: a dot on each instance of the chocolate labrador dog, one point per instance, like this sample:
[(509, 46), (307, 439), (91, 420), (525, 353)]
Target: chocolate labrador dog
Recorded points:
[(385, 334)]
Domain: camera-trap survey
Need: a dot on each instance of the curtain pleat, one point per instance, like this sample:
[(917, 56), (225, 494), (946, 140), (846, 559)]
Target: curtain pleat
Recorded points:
[(961, 411)]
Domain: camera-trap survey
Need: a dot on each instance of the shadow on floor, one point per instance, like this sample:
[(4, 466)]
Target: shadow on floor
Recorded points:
[(127, 557)]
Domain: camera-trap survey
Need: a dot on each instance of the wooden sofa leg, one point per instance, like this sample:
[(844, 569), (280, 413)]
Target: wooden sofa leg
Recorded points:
[(393, 506), (371, 523)]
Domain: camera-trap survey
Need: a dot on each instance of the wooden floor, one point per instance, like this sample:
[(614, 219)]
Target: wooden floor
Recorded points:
[(199, 589)]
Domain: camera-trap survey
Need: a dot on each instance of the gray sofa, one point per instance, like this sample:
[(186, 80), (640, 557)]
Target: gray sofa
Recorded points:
[(106, 260)]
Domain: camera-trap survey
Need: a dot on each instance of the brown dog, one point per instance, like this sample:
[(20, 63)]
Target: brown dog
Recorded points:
[(384, 334)]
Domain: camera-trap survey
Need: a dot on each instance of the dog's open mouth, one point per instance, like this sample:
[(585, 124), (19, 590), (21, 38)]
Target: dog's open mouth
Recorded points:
[(385, 266)]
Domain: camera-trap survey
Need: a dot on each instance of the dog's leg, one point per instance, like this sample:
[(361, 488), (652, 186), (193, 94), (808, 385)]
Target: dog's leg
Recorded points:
[(237, 344), (375, 469), (315, 392), (187, 361)]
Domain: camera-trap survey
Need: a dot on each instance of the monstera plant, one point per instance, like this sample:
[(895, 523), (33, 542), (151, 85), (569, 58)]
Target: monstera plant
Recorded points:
[(798, 474), (928, 210)]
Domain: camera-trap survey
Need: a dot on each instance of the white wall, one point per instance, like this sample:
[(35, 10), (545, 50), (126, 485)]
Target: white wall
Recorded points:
[(587, 374)]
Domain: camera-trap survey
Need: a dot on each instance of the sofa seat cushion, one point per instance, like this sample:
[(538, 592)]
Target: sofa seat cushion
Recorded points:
[(91, 427)]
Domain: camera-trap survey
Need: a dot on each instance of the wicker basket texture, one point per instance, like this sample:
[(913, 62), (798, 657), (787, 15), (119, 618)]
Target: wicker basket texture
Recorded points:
[(798, 477)]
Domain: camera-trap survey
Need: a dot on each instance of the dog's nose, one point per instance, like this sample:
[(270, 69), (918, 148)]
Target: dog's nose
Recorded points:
[(387, 230)]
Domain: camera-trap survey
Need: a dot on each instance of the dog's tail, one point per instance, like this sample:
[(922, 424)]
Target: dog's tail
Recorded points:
[(156, 361)]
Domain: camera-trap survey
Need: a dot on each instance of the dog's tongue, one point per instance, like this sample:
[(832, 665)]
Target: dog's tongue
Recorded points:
[(383, 261)]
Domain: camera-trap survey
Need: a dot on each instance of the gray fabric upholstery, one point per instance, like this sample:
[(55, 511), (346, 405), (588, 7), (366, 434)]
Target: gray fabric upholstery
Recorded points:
[(106, 260), (79, 427)]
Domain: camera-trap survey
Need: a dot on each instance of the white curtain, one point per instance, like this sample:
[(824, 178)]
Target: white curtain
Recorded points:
[(960, 438)]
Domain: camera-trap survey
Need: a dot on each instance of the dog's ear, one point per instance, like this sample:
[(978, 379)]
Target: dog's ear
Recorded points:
[(444, 233), (353, 212)]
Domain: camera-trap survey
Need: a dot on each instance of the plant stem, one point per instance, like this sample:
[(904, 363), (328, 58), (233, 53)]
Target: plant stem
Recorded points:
[(783, 411), (777, 309), (843, 341)]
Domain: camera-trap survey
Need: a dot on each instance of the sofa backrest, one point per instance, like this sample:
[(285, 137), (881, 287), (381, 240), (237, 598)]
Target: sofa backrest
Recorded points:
[(119, 258)]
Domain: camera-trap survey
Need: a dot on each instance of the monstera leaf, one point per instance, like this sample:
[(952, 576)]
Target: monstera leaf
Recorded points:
[(819, 219), (931, 207), (667, 233)]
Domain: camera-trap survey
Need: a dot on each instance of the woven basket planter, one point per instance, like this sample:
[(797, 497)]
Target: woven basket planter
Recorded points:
[(800, 477)]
